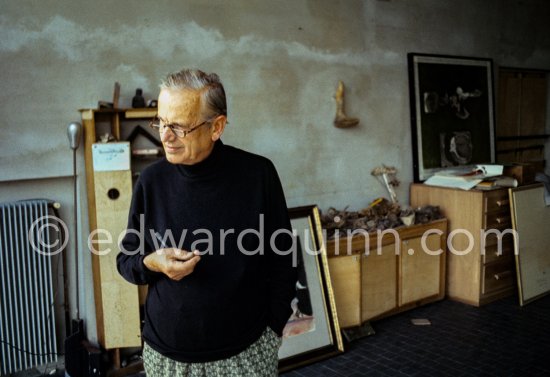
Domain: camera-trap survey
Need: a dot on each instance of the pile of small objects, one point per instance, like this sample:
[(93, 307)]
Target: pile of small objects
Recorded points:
[(379, 215)]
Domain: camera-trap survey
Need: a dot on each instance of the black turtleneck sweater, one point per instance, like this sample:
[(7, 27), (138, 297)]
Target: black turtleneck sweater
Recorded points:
[(240, 285)]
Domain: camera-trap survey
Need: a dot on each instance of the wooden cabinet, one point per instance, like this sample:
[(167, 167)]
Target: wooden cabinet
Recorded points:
[(382, 274), (480, 264), (522, 115), (109, 195)]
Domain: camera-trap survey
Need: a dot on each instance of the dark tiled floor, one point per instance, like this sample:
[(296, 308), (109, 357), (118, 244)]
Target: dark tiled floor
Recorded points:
[(499, 339)]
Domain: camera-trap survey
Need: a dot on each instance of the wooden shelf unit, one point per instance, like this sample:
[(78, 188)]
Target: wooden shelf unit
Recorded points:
[(480, 275), (396, 274), (117, 301)]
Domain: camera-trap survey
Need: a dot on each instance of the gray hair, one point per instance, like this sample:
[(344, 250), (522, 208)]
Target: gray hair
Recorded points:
[(211, 89)]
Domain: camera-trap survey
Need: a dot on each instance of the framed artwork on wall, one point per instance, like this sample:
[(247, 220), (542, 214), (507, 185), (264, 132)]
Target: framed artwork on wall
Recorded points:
[(312, 332), (452, 112)]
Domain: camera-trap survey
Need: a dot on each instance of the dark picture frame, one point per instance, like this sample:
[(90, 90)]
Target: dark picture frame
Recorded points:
[(452, 112), (312, 332)]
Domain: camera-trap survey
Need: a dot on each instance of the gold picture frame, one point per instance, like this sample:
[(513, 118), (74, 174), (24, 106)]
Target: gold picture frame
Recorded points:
[(530, 216), (312, 332)]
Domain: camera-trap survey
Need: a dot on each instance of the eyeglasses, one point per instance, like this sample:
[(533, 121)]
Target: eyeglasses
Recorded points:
[(180, 131)]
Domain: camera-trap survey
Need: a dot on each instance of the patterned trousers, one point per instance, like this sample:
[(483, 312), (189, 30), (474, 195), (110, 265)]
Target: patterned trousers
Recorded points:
[(260, 359)]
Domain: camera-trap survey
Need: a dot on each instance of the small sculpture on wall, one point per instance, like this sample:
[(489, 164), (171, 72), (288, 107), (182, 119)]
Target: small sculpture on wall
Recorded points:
[(342, 120)]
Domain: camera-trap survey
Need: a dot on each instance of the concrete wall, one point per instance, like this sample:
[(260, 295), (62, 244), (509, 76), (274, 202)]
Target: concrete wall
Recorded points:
[(280, 62)]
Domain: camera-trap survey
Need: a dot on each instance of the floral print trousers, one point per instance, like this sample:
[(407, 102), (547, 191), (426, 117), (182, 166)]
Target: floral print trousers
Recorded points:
[(260, 359)]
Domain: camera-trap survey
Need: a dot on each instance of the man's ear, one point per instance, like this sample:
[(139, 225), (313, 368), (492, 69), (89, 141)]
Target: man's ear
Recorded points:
[(218, 126)]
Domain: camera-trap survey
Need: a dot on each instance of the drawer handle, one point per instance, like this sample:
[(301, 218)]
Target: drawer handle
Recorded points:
[(503, 202), (502, 275), (502, 251), (502, 220)]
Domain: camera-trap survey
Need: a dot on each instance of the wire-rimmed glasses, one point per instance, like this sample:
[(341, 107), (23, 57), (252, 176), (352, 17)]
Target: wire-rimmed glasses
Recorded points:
[(180, 131)]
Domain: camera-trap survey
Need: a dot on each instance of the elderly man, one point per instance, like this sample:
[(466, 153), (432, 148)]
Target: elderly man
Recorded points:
[(210, 234)]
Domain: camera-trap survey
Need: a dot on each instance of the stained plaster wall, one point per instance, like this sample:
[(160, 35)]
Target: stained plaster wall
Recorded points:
[(280, 62)]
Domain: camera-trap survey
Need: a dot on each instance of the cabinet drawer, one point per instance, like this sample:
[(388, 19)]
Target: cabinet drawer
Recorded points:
[(497, 276), (498, 220), (498, 251), (496, 200)]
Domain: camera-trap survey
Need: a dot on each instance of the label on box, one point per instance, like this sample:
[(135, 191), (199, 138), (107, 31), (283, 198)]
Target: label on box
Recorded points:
[(111, 156)]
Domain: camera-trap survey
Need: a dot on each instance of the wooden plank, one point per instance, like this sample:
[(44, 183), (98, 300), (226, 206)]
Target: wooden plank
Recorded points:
[(533, 104), (359, 243), (88, 124), (115, 126), (140, 113), (508, 104), (119, 323), (116, 95)]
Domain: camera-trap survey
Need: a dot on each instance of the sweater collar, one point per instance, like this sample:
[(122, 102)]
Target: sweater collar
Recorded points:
[(207, 166)]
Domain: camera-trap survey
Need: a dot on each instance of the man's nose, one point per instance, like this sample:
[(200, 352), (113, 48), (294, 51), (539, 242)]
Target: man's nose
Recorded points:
[(167, 135)]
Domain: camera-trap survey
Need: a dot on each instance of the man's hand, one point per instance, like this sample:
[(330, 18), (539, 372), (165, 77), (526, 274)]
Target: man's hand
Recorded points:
[(174, 263)]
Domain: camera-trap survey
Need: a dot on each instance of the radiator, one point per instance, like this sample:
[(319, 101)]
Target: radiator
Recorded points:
[(27, 329)]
